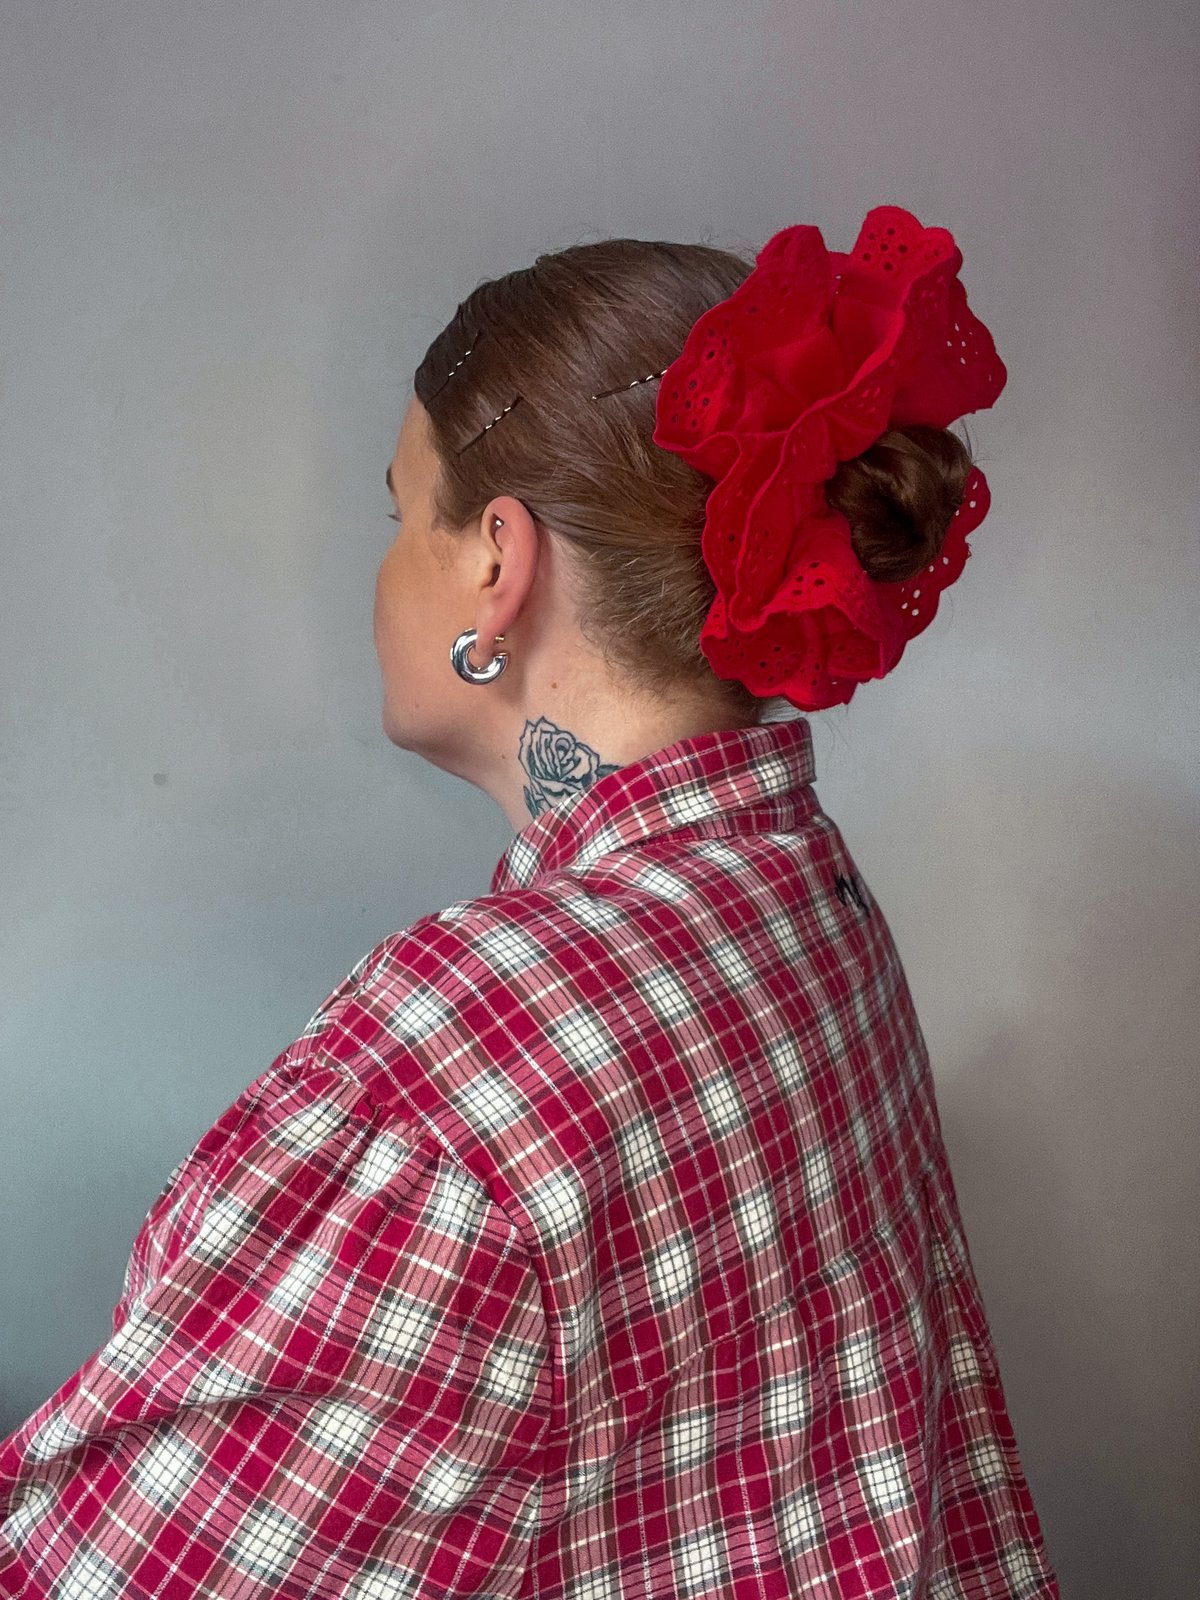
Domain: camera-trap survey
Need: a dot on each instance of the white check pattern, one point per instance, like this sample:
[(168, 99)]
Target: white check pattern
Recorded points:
[(594, 1240)]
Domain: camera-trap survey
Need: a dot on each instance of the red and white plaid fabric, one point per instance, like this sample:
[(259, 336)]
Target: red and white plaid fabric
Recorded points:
[(595, 1239)]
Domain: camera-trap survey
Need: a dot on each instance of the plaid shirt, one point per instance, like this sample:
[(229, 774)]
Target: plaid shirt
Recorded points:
[(595, 1239)]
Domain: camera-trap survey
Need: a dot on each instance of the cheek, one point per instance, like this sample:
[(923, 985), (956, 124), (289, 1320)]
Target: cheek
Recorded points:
[(387, 582), (385, 598), (377, 610)]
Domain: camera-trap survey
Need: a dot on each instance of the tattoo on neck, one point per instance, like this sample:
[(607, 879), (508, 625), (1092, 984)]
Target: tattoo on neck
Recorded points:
[(558, 764)]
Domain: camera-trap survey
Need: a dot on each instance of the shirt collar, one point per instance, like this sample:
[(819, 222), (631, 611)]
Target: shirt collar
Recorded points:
[(729, 780)]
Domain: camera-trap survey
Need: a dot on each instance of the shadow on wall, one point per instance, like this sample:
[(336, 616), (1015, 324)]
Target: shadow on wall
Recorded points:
[(1072, 1133)]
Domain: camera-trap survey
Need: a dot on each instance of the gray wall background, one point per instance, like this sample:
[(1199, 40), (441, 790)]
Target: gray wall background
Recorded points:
[(227, 233)]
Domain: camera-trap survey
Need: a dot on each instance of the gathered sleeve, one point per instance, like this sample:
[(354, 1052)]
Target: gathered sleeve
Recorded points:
[(329, 1375)]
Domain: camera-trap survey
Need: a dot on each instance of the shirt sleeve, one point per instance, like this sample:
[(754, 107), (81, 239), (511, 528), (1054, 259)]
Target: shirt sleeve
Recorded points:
[(157, 1234), (336, 1382)]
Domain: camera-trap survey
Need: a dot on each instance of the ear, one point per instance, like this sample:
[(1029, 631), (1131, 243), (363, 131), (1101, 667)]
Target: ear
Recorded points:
[(511, 541)]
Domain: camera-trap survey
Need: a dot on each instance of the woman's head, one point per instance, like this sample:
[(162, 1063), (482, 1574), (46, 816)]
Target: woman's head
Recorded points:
[(594, 573)]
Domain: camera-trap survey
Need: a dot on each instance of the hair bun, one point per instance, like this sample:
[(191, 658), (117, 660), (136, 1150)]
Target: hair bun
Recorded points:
[(900, 496)]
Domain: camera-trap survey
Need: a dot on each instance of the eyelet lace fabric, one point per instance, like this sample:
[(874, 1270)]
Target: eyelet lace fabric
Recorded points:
[(812, 359)]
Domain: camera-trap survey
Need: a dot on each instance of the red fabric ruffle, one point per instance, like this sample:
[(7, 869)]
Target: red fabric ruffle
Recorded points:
[(811, 359)]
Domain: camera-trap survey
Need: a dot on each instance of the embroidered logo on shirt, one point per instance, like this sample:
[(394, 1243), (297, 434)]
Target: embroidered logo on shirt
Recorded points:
[(848, 888)]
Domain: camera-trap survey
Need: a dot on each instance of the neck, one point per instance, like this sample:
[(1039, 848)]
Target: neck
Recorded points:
[(553, 754), (532, 739)]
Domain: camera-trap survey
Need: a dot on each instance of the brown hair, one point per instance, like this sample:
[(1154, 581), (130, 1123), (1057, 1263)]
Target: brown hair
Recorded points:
[(594, 317)]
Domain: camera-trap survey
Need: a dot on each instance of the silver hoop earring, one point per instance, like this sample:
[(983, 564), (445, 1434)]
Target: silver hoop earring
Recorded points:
[(459, 657)]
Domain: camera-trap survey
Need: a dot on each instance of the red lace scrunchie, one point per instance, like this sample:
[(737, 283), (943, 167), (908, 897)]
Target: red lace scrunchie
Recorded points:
[(812, 359)]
